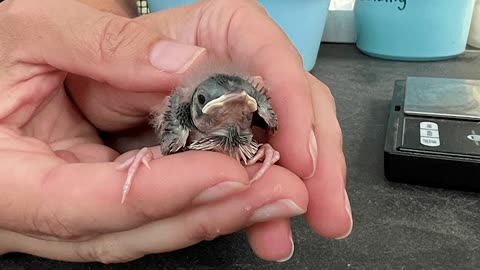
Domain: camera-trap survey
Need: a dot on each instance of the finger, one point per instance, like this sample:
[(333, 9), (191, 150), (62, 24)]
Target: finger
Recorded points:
[(76, 38), (278, 62), (272, 240), (197, 224), (264, 201), (329, 211), (242, 28), (106, 108), (78, 199)]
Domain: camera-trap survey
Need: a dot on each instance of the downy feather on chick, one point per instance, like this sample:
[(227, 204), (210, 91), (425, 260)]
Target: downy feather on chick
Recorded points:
[(213, 110)]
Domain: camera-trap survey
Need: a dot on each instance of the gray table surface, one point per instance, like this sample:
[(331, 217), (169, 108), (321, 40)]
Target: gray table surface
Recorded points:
[(396, 226)]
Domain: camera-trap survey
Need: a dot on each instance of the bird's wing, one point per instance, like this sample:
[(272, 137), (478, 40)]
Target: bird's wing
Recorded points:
[(172, 122), (268, 118)]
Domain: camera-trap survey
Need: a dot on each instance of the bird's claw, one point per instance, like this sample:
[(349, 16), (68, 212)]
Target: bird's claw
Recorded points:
[(144, 156), (269, 155)]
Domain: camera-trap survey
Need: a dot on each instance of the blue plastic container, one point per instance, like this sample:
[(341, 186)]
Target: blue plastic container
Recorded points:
[(303, 21), (413, 30)]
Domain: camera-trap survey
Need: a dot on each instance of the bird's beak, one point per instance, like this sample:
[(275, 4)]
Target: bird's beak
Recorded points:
[(231, 99)]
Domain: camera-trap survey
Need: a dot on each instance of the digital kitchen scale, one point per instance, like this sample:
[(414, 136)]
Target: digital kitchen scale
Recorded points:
[(433, 133)]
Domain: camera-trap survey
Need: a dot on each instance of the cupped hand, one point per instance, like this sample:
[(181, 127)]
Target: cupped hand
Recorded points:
[(309, 137), (60, 189)]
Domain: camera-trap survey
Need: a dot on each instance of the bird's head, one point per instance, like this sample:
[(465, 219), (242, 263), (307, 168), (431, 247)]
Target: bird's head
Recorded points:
[(221, 102)]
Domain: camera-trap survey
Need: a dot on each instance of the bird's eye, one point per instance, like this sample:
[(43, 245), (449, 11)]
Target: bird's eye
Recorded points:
[(201, 99)]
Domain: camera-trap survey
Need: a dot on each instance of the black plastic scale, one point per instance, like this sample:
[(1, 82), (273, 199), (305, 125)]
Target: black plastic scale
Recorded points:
[(433, 133)]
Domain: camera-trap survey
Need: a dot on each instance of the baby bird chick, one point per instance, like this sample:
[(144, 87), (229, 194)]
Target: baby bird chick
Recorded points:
[(217, 115)]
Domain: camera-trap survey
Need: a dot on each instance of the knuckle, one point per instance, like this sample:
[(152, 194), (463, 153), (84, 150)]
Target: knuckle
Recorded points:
[(47, 219), (116, 36), (246, 7), (243, 10), (102, 250), (204, 231), (327, 94), (46, 222), (330, 96), (295, 53), (331, 99)]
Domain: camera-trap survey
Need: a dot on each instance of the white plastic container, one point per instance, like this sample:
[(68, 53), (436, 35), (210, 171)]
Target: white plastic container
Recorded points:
[(340, 25), (474, 35)]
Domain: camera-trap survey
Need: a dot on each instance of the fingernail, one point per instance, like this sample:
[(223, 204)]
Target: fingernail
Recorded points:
[(175, 57), (219, 191), (312, 147), (291, 251), (349, 212), (280, 209)]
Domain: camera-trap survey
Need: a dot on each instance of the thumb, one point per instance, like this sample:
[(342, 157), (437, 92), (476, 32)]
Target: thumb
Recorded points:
[(78, 39)]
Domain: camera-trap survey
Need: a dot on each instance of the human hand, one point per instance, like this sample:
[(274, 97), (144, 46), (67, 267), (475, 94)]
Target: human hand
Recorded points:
[(309, 137), (60, 189)]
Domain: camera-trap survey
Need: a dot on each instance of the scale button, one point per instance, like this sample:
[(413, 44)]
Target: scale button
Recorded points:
[(428, 125), (429, 133), (429, 141), (474, 137)]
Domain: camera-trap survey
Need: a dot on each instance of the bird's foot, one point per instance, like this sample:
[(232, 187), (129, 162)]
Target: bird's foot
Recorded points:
[(269, 157), (144, 156)]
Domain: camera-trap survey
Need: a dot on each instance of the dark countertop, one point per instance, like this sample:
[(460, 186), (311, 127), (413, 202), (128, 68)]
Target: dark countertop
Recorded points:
[(396, 226)]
